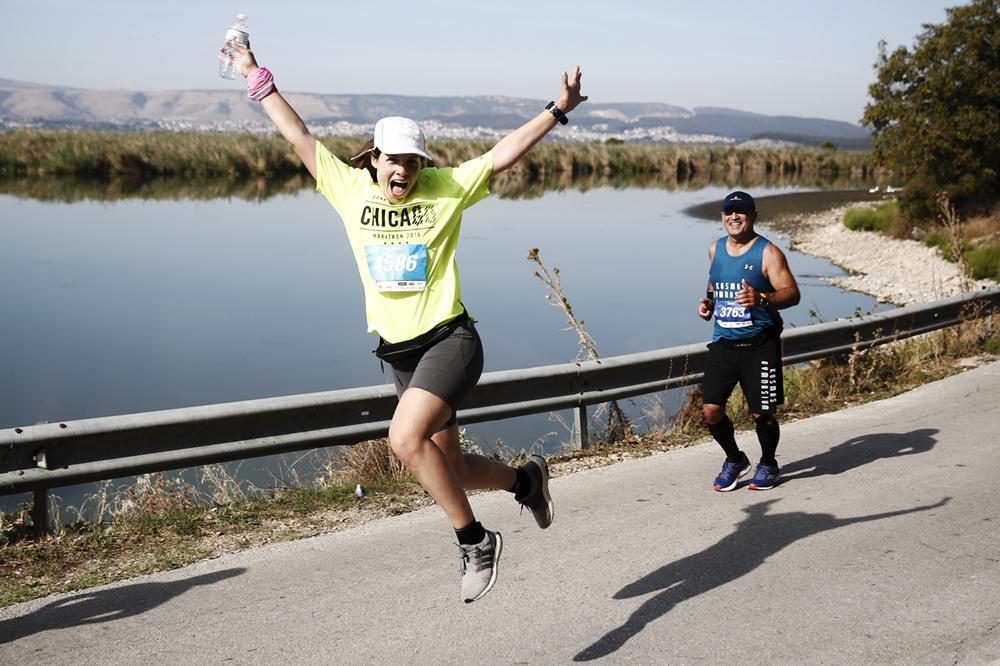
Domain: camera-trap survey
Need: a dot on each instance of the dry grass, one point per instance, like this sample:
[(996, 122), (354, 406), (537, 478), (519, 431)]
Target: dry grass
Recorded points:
[(983, 229), (973, 244), (160, 522), (828, 385), (368, 462), (155, 524)]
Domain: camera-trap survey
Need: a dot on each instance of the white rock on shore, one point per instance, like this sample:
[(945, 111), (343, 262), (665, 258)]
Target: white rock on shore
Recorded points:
[(902, 272)]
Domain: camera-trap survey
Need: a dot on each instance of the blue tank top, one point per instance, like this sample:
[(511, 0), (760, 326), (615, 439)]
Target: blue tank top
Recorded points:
[(726, 274)]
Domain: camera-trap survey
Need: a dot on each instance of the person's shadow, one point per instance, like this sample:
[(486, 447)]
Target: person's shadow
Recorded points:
[(104, 605), (860, 451), (757, 537)]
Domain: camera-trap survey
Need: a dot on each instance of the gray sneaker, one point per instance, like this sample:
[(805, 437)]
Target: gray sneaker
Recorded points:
[(479, 566), (537, 499)]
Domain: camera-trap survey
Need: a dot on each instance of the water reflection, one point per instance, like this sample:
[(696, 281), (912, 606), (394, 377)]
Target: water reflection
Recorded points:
[(134, 296), (69, 189), (519, 186)]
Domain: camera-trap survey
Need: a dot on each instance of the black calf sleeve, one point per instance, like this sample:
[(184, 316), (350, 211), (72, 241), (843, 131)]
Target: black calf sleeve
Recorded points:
[(724, 435), (768, 433)]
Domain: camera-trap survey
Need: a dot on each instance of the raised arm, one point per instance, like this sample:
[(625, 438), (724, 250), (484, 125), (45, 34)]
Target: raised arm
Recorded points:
[(280, 112), (512, 147)]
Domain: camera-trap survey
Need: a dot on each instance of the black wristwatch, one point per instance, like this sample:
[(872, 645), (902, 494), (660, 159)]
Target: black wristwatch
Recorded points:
[(557, 113)]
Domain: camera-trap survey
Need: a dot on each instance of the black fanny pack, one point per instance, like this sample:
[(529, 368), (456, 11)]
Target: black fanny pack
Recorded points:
[(768, 334), (395, 352)]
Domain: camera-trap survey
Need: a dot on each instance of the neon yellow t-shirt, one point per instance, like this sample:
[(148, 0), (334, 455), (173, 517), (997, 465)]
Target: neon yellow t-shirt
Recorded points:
[(405, 252)]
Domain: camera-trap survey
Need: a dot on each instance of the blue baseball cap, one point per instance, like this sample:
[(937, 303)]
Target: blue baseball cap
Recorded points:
[(741, 201)]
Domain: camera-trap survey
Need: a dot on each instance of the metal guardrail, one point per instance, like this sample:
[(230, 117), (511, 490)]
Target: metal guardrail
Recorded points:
[(39, 457)]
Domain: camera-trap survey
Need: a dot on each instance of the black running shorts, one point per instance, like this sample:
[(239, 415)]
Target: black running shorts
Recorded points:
[(449, 369), (755, 364)]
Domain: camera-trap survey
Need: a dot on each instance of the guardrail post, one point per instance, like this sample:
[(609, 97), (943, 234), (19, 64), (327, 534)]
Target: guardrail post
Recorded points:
[(580, 434), (40, 511)]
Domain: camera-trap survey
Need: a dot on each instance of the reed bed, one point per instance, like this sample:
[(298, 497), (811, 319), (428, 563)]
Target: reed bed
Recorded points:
[(79, 153), (681, 162), (105, 166), (72, 188)]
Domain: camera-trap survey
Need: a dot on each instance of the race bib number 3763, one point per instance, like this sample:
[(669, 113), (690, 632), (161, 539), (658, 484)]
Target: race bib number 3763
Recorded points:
[(397, 267), (729, 314)]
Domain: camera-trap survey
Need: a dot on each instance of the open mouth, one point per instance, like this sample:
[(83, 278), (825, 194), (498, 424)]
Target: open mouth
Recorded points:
[(397, 188)]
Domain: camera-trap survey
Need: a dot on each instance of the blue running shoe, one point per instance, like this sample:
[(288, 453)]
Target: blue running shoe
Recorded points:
[(731, 474), (765, 478)]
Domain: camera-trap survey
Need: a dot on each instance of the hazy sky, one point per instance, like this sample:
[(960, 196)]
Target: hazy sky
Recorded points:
[(780, 57)]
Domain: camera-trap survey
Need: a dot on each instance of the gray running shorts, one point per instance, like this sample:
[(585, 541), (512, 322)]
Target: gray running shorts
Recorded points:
[(449, 369)]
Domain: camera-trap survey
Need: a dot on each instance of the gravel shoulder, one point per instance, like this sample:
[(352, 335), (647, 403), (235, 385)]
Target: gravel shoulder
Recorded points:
[(901, 272)]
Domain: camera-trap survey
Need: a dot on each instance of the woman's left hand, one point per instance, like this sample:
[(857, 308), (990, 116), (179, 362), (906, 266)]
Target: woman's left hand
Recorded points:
[(569, 96), (513, 146)]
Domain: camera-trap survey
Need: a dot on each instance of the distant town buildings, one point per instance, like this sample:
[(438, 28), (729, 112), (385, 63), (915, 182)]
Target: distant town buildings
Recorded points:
[(597, 133)]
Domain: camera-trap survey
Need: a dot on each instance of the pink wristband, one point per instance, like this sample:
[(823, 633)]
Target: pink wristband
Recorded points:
[(260, 84)]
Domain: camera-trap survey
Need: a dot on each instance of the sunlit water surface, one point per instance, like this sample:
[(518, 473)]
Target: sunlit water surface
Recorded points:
[(132, 306)]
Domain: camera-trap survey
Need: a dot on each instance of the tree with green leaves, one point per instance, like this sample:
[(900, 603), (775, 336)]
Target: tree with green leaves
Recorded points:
[(935, 111)]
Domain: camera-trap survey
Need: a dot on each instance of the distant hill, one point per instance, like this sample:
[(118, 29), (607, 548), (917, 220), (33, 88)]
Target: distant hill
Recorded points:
[(862, 143), (24, 104)]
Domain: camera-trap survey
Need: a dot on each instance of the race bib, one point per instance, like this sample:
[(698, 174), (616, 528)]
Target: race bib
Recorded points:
[(397, 267), (729, 314)]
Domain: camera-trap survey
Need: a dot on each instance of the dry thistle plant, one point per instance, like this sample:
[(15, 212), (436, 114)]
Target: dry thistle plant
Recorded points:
[(953, 224), (618, 426), (587, 348)]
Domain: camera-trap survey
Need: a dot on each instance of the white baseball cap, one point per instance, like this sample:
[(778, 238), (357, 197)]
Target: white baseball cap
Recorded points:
[(400, 136)]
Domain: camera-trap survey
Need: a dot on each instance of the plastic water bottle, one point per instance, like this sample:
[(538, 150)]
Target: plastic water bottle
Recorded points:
[(239, 33)]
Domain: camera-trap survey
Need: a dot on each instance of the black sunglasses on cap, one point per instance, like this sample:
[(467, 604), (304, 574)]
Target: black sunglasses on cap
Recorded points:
[(729, 210)]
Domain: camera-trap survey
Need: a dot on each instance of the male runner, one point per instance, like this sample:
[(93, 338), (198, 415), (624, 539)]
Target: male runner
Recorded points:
[(749, 281)]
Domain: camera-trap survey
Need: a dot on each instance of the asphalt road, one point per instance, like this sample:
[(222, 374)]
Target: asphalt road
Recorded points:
[(881, 546)]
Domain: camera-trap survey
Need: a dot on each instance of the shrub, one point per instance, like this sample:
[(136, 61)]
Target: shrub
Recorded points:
[(984, 262), (881, 218)]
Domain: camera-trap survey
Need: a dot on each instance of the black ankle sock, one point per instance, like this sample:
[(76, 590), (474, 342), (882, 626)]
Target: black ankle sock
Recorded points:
[(471, 534), (522, 485), (726, 437), (768, 433)]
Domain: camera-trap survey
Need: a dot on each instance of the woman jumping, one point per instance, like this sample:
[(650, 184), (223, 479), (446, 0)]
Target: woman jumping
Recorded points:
[(402, 218)]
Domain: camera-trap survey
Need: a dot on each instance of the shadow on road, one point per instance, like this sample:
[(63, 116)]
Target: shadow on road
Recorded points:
[(860, 451), (757, 537), (104, 605)]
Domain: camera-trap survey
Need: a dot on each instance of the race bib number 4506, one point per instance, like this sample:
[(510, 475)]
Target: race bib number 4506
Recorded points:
[(729, 314), (397, 267)]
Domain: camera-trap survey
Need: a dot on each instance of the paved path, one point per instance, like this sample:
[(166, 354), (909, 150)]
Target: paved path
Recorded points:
[(882, 545)]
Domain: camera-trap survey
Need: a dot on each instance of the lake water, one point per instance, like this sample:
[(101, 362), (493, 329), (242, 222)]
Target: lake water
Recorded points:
[(139, 305)]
